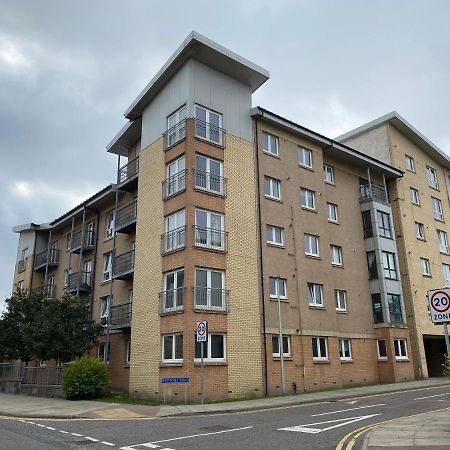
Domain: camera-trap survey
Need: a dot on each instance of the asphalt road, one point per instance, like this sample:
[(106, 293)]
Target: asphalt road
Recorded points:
[(318, 426)]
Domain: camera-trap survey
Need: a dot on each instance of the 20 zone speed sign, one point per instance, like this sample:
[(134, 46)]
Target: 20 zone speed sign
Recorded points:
[(439, 302)]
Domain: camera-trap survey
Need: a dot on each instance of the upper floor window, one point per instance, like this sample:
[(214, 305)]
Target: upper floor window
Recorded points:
[(315, 294), (208, 125), (305, 157), (209, 175), (272, 188), (274, 235), (409, 161), (109, 225), (107, 266), (425, 267), (277, 288), (270, 143), (105, 304), (174, 237), (377, 308), (176, 177), (311, 244), (432, 178), (20, 285), (336, 255), (210, 289), (276, 346), (437, 209), (395, 308), (328, 173), (389, 266), (384, 224), (372, 265), (209, 230), (307, 198), (367, 224), (420, 231), (340, 298), (415, 198), (332, 210), (446, 273), (176, 126), (173, 294), (443, 242)]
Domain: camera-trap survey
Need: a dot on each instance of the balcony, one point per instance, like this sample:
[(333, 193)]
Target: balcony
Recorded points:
[(174, 184), (126, 218), (173, 240), (127, 176), (174, 135), (210, 239), (124, 266), (372, 192), (172, 301), (120, 316), (210, 182), (210, 299), (82, 242), (46, 258), (209, 133), (21, 265), (79, 281)]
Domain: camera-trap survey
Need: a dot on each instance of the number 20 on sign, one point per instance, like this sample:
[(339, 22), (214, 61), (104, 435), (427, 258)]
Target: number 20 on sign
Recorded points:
[(439, 302)]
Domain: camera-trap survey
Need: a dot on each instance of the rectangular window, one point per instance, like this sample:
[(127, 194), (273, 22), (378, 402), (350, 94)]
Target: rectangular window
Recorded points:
[(208, 125), (128, 352), (305, 157), (67, 272), (86, 276), (274, 235), (213, 350), (173, 295), (319, 349), (425, 267), (209, 290), (176, 126), (332, 212), (109, 225), (307, 198), (400, 349), (389, 266), (372, 265), (384, 224), (443, 242), (175, 230), (345, 349), (105, 305), (107, 267), (175, 177), (172, 348), (328, 174), (69, 236), (377, 308), (432, 178), (315, 297), (336, 255), (20, 285), (270, 143), (420, 231), (395, 308), (367, 224), (209, 230), (272, 188), (415, 199), (437, 209), (446, 273), (209, 175), (277, 288), (276, 346), (381, 349), (311, 244), (409, 163), (340, 298), (104, 351)]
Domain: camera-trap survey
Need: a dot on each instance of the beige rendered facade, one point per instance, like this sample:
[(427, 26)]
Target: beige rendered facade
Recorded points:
[(239, 217)]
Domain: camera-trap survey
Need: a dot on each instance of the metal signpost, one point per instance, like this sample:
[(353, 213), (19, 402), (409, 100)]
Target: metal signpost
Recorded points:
[(439, 303), (202, 337)]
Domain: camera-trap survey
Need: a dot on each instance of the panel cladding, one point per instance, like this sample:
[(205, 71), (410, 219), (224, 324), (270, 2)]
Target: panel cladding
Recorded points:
[(145, 334), (244, 332)]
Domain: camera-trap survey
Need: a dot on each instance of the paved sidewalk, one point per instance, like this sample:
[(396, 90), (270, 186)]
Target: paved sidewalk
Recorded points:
[(37, 407), (429, 431)]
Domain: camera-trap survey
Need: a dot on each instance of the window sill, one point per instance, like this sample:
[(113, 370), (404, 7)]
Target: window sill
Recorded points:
[(126, 366), (108, 239), (330, 183), (306, 167), (285, 358), (338, 266), (421, 239), (105, 282), (271, 244), (307, 208), (346, 361), (426, 275), (401, 359), (266, 152), (197, 363), (208, 191), (316, 306), (439, 220), (169, 364), (174, 194), (333, 221), (382, 359), (308, 255), (341, 311), (321, 361), (275, 199), (415, 204), (275, 299)]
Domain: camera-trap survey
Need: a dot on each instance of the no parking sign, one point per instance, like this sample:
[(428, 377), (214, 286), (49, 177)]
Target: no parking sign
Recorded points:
[(439, 302)]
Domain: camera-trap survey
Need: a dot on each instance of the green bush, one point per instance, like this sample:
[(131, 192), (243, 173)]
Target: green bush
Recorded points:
[(86, 378)]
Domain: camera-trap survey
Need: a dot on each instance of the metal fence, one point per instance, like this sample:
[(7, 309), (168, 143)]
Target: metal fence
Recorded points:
[(44, 376)]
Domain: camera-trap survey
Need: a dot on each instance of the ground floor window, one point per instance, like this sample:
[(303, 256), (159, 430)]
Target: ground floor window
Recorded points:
[(381, 348), (213, 350), (345, 349), (319, 348), (104, 351), (276, 346), (172, 348), (401, 351)]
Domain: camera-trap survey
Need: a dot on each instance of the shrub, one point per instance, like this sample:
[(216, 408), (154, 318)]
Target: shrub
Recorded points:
[(86, 378)]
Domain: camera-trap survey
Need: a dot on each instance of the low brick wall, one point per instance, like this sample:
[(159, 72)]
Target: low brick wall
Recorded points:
[(16, 387)]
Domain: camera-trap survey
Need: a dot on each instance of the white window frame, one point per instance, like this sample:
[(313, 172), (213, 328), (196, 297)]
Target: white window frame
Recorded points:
[(315, 342), (340, 300), (174, 231), (446, 274), (285, 338), (208, 357), (272, 143), (177, 132), (277, 282), (409, 163), (415, 196), (173, 359), (437, 213), (175, 177), (328, 174), (420, 231), (309, 242), (209, 237), (432, 178), (87, 272), (302, 159), (332, 212), (206, 180), (271, 183), (442, 241), (176, 286), (399, 355), (383, 358), (106, 352), (107, 267), (105, 306), (110, 225), (336, 255), (271, 235), (209, 306), (209, 128), (425, 267), (343, 350), (67, 273), (307, 199), (314, 299)]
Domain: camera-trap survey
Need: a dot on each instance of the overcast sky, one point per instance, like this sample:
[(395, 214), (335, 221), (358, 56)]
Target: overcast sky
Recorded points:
[(68, 70)]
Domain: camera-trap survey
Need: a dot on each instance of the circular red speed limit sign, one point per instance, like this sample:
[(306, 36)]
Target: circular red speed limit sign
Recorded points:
[(440, 301)]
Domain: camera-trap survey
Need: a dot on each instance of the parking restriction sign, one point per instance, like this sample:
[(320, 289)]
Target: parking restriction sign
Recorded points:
[(439, 302), (202, 331)]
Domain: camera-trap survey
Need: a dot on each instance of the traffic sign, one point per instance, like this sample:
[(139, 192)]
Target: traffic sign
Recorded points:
[(202, 331), (439, 303)]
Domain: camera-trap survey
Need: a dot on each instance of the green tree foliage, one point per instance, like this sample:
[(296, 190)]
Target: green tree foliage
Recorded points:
[(85, 378)]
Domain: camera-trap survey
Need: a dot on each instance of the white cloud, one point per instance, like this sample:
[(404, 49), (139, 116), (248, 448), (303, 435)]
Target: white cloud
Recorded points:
[(12, 55)]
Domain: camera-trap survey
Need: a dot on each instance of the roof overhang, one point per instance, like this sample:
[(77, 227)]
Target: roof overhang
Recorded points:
[(125, 138), (207, 52), (402, 125), (31, 227)]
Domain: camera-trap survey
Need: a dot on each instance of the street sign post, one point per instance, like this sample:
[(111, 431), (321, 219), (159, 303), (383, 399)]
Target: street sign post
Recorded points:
[(169, 380), (439, 304), (202, 337)]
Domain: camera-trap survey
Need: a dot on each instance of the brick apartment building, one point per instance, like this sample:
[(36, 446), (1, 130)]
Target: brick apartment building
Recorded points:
[(224, 212)]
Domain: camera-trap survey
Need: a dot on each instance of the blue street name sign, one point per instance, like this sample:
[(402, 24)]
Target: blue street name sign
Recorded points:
[(175, 380)]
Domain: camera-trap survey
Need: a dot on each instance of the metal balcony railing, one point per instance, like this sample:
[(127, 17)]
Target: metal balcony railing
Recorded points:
[(210, 299), (373, 192), (21, 265), (123, 266), (172, 300), (120, 315), (209, 182), (42, 258), (174, 184), (42, 375), (126, 218), (174, 135), (76, 246), (210, 238), (128, 174), (79, 280), (173, 240), (210, 133)]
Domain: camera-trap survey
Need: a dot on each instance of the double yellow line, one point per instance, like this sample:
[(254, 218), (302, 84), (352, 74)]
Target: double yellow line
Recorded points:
[(349, 440)]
